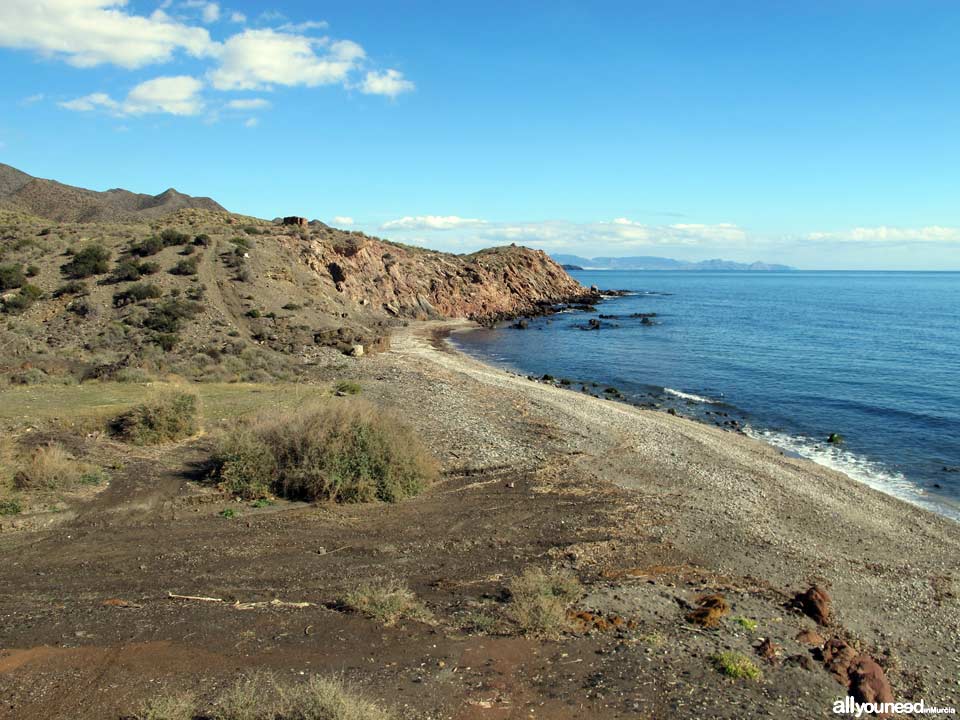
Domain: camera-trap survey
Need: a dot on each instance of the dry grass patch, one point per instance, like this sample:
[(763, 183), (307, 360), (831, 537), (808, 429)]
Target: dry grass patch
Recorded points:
[(167, 707), (51, 467), (263, 697), (540, 599), (170, 417), (387, 601), (340, 450)]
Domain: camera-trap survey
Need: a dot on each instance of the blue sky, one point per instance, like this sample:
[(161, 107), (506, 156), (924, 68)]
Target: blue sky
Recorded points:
[(820, 134)]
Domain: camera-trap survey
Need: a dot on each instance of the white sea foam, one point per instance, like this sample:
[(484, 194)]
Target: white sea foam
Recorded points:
[(855, 466), (688, 396)]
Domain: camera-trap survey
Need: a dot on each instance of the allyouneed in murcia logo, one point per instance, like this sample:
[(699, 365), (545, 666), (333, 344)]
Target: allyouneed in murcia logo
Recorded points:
[(849, 706)]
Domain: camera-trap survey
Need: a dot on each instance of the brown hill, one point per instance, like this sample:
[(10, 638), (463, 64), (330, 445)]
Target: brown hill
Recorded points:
[(211, 295), (65, 203)]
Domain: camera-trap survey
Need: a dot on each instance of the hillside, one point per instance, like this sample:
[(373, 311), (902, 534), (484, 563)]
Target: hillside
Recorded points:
[(210, 295), (64, 203)]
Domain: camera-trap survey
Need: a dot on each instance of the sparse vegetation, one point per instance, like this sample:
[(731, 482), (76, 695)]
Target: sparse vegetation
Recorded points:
[(386, 600), (262, 697), (344, 451), (187, 266), (539, 600), (94, 259), (11, 277), (73, 287), (167, 707), (147, 247), (171, 237), (10, 506), (347, 387), (27, 296), (746, 623), (170, 417), (736, 665), (136, 293), (51, 467)]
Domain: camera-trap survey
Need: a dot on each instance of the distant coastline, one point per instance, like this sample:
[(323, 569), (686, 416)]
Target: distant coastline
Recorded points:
[(576, 262)]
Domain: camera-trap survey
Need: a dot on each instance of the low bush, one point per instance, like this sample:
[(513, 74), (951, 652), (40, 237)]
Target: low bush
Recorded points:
[(386, 601), (10, 506), (73, 287), (167, 707), (187, 266), (347, 387), (51, 467), (27, 296), (170, 417), (126, 271), (174, 237), (338, 450), (136, 293), (147, 247), (167, 316), (94, 259), (202, 240), (11, 277), (539, 600)]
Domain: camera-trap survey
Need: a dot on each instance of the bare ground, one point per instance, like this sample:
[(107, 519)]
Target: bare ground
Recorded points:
[(651, 512)]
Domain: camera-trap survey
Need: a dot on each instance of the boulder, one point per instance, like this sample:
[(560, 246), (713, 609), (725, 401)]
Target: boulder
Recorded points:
[(814, 603), (868, 681)]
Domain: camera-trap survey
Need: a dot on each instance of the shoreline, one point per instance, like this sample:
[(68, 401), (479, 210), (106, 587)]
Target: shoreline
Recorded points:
[(913, 494)]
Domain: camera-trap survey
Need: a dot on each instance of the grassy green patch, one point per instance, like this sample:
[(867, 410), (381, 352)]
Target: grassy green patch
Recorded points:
[(746, 623), (736, 665), (347, 387)]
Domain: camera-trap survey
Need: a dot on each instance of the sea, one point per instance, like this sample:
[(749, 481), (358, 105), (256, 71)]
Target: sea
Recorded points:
[(787, 357)]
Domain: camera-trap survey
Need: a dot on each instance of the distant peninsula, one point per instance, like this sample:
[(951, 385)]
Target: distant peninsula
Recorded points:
[(643, 262)]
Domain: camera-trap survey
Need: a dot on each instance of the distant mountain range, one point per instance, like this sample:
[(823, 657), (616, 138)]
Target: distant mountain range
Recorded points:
[(643, 262), (65, 203)]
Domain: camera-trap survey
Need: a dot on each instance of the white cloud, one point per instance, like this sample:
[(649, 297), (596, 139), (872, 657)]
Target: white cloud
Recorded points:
[(238, 17), (260, 59), (178, 95), (343, 220), (251, 122), (389, 82), (87, 33), (32, 99), (431, 222), (209, 11), (885, 235), (305, 26), (249, 104)]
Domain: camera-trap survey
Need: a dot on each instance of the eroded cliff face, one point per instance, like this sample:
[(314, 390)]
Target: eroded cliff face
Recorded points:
[(421, 284)]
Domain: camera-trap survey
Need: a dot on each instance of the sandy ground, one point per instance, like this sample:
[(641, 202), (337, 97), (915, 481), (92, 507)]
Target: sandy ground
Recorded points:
[(650, 511)]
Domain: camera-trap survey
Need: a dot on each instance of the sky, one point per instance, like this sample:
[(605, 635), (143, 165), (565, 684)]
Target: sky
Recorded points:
[(824, 135)]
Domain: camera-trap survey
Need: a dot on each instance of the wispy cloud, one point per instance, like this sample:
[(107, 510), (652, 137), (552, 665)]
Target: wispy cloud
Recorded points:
[(177, 95), (32, 99), (885, 235), (431, 222), (389, 82), (343, 220), (249, 104)]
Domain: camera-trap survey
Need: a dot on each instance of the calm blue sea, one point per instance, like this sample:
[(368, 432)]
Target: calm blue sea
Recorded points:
[(792, 357)]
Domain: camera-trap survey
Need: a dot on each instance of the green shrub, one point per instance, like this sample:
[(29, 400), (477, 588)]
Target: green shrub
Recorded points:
[(11, 277), (202, 240), (174, 237), (10, 506), (92, 260), (28, 295), (73, 287), (148, 267), (126, 271), (33, 376), (187, 266), (32, 271), (344, 451), (167, 316), (166, 341), (539, 600), (147, 247), (136, 293), (168, 418)]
